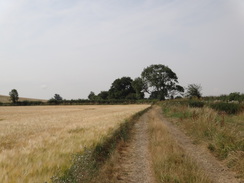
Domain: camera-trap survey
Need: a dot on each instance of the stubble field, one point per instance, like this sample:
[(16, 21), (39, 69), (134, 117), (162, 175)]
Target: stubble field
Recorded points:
[(37, 142)]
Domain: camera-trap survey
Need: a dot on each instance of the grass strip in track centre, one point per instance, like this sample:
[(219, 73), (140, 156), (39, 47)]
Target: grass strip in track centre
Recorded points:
[(87, 164), (170, 163)]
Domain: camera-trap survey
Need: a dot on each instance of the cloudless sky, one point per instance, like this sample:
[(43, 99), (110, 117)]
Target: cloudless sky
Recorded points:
[(72, 47)]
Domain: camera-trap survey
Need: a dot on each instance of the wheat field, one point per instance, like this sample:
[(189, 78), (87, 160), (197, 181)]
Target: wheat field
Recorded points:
[(37, 142)]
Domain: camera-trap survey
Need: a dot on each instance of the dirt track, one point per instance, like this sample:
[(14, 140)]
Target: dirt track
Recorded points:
[(209, 164), (133, 161)]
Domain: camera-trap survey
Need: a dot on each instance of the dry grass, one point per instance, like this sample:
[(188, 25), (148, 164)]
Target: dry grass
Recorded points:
[(37, 142), (170, 162), (6, 99), (222, 134)]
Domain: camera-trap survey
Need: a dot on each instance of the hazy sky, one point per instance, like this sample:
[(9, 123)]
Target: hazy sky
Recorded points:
[(72, 47)]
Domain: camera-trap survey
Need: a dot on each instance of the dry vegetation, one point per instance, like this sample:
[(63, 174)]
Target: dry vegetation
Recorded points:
[(5, 99), (37, 142), (222, 134), (170, 162)]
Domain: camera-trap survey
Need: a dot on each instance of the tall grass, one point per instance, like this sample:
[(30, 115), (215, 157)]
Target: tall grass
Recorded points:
[(222, 133), (170, 163), (39, 142)]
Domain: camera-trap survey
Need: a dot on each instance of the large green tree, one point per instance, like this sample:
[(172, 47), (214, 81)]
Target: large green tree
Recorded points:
[(161, 82), (14, 96), (122, 89)]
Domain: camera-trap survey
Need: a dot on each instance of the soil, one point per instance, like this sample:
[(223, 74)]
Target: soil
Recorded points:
[(135, 161)]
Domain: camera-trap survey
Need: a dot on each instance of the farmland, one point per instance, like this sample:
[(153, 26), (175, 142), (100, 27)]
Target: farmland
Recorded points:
[(6, 99), (37, 142)]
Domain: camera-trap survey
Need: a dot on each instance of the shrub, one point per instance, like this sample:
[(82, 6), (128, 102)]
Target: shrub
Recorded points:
[(194, 103), (229, 108)]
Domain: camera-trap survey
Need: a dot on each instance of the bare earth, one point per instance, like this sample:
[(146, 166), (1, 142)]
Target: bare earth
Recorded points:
[(135, 161)]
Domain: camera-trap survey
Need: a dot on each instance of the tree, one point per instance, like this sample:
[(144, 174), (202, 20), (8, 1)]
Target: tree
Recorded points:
[(121, 88), (14, 96), (194, 90), (57, 97), (103, 95), (161, 82), (139, 87), (92, 96)]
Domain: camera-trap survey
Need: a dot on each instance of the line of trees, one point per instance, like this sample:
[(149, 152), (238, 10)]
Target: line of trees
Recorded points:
[(159, 81), (232, 97)]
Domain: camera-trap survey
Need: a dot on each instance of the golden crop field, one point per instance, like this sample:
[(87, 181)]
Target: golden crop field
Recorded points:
[(38, 141)]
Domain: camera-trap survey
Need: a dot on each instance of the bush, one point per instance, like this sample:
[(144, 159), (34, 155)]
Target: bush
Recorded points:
[(229, 108), (194, 103), (29, 103)]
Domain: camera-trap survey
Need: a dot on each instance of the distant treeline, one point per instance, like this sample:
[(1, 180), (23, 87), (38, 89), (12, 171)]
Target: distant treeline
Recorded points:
[(99, 102), (232, 97), (79, 102)]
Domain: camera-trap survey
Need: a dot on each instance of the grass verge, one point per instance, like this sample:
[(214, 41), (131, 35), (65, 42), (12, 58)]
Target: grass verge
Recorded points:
[(170, 163), (86, 166), (220, 132)]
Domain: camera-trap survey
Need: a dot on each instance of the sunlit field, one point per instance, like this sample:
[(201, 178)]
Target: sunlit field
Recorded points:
[(37, 142)]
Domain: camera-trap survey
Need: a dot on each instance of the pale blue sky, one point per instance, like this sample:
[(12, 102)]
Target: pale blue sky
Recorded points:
[(77, 46)]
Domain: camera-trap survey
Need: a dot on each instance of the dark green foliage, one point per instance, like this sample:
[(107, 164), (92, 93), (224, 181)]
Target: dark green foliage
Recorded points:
[(103, 95), (29, 103), (161, 82), (14, 96), (52, 101), (194, 91), (58, 97), (229, 108), (195, 103), (121, 88), (139, 87), (92, 96), (236, 96)]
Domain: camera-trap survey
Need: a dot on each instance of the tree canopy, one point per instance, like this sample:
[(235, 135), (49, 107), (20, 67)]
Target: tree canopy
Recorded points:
[(14, 96), (57, 97), (122, 89), (161, 82), (92, 96), (193, 90), (139, 87)]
